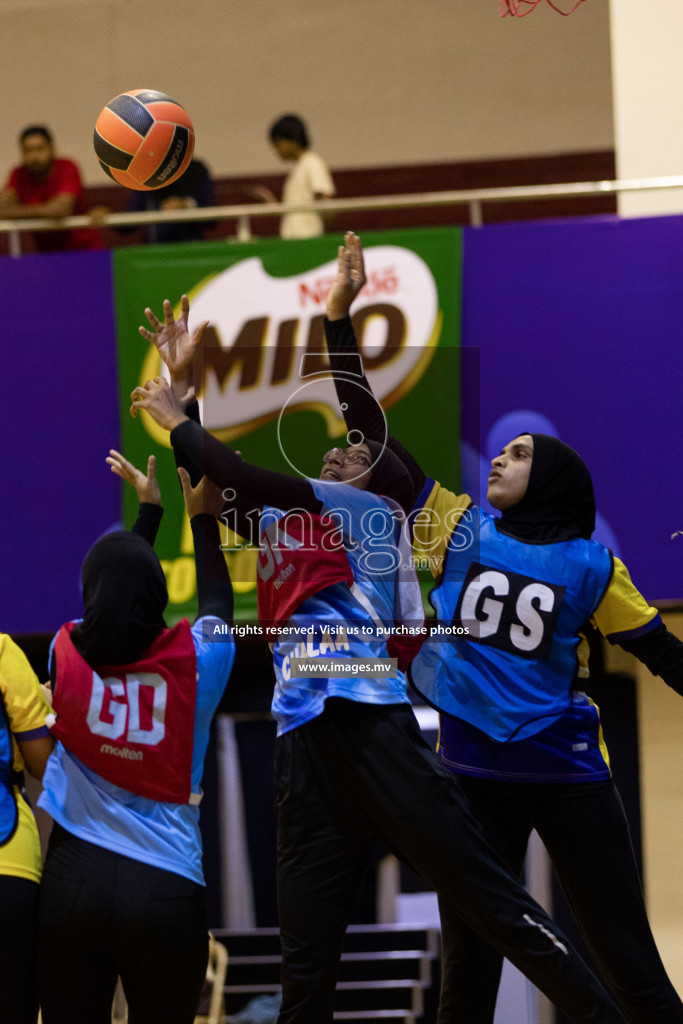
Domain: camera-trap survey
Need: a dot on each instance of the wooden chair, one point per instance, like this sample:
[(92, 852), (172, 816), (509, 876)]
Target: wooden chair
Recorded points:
[(215, 974)]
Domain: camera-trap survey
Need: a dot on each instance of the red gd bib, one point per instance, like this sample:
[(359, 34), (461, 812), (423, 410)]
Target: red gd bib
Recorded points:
[(132, 724), (298, 556)]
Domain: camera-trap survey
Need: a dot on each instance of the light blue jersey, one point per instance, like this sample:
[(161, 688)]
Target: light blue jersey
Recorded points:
[(164, 835), (342, 622)]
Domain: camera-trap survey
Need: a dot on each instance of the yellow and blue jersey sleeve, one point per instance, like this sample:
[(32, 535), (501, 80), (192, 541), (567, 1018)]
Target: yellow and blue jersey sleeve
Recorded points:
[(437, 514), (25, 704), (624, 614), (26, 709)]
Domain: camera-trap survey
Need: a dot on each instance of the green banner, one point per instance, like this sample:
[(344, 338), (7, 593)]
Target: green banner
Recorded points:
[(263, 383)]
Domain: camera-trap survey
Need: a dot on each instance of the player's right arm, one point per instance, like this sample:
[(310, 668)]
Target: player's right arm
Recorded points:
[(220, 464), (437, 511), (361, 409)]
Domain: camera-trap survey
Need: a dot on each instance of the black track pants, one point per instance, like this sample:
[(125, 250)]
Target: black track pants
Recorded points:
[(585, 832), (104, 915), (360, 772), (18, 950)]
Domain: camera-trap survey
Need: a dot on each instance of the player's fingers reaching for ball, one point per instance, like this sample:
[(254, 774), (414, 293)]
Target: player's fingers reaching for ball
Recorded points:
[(344, 266), (120, 465), (149, 387), (145, 484), (189, 397), (357, 262), (154, 321), (157, 398), (155, 324), (138, 397)]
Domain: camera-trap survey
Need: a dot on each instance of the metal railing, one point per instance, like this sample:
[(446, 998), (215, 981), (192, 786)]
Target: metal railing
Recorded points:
[(245, 213)]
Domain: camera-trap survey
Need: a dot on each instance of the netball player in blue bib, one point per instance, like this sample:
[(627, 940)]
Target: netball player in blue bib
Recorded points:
[(123, 887), (351, 765), (517, 730)]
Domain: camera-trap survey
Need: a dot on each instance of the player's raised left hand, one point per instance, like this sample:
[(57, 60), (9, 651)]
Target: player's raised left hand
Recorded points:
[(173, 341), (158, 399), (146, 484)]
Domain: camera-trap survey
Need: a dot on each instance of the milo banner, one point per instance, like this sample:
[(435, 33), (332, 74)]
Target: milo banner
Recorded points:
[(264, 384)]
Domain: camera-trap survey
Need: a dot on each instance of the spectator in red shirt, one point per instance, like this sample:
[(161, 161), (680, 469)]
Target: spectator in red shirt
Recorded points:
[(46, 186)]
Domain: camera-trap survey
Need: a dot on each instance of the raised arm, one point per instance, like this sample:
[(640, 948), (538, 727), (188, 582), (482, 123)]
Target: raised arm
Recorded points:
[(148, 492), (221, 465), (204, 504), (362, 411), (178, 349), (174, 343)]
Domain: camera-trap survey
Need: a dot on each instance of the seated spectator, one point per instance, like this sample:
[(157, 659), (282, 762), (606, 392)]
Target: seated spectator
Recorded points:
[(45, 185), (309, 178), (192, 189)]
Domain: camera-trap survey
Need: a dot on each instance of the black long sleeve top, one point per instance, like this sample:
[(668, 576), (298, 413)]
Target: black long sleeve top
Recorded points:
[(254, 486)]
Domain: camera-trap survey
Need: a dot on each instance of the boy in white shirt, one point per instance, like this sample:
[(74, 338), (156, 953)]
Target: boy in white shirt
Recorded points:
[(308, 180)]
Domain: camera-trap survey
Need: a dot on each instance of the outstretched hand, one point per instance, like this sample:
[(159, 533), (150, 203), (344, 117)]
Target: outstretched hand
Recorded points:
[(205, 498), (146, 486), (350, 277), (172, 339), (160, 401)]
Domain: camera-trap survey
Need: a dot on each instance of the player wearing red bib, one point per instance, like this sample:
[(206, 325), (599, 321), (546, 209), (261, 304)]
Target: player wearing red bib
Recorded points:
[(123, 886)]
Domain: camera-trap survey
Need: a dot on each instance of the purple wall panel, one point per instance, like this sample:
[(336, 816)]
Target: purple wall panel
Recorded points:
[(576, 327), (60, 418), (579, 327)]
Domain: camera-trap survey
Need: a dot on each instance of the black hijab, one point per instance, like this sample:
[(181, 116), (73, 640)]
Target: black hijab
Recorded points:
[(559, 503), (124, 594), (390, 477)]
